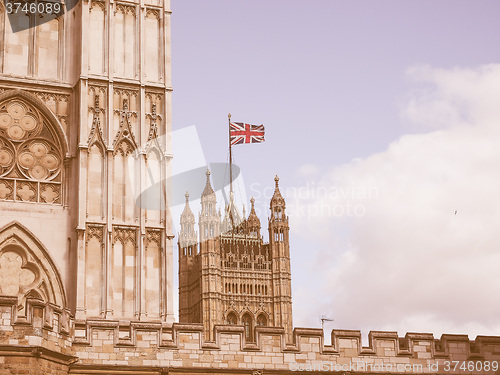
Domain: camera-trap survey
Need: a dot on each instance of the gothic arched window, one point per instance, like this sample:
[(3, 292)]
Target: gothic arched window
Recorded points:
[(232, 318), (31, 157), (247, 324), (261, 320), (25, 269)]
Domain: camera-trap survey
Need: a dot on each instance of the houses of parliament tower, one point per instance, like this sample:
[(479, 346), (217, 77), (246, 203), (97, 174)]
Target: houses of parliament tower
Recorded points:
[(227, 274)]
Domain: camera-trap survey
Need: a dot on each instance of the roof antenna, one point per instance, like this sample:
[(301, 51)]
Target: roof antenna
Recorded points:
[(323, 320)]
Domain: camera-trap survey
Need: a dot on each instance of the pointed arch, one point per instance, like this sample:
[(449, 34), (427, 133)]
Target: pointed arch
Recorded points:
[(262, 319), (33, 147), (153, 145), (232, 317), (124, 146), (29, 270), (125, 132), (248, 323), (96, 137), (53, 121)]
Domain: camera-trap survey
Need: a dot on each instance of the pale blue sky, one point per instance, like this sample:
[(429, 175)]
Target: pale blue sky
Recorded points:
[(325, 77), (334, 81)]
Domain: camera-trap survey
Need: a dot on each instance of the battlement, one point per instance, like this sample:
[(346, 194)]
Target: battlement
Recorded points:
[(35, 324), (100, 342), (305, 340)]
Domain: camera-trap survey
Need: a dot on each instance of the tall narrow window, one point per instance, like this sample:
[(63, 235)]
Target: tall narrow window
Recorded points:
[(153, 45), (247, 323), (231, 318), (261, 320)]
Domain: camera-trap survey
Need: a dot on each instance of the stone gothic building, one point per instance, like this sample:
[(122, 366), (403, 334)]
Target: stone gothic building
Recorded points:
[(86, 242), (84, 115), (229, 275)]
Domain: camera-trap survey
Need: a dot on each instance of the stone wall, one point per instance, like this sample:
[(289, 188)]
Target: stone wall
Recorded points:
[(49, 341)]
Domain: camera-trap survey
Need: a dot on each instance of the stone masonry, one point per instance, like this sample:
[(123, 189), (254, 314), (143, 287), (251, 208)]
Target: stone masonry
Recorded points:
[(48, 340), (86, 240)]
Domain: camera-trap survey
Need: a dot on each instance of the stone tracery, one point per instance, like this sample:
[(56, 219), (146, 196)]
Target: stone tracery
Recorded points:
[(25, 269), (30, 154)]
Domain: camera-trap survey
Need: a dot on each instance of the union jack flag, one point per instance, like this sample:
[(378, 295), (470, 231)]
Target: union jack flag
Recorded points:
[(246, 133)]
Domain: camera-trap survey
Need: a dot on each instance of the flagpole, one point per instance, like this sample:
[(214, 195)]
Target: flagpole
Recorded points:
[(230, 159), (230, 175)]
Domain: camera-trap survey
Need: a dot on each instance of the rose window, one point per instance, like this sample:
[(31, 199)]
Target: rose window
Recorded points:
[(30, 155)]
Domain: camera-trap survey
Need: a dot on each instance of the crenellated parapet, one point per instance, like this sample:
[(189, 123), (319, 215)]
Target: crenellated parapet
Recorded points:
[(35, 337), (45, 331), (37, 323)]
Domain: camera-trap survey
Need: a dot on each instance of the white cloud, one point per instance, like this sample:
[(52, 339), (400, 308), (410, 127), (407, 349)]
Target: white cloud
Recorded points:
[(425, 253), (459, 97)]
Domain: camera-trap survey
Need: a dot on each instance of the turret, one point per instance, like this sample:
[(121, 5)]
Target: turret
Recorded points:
[(188, 249), (253, 222), (209, 223), (187, 234), (280, 253), (278, 222), (209, 218)]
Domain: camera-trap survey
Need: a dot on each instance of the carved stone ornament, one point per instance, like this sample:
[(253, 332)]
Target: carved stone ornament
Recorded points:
[(30, 154), (125, 140), (153, 235), (153, 130), (123, 234), (96, 231), (16, 275), (96, 135)]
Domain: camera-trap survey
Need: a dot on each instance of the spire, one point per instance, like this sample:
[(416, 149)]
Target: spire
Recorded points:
[(253, 220), (209, 219), (252, 208), (187, 235), (277, 199), (187, 213), (208, 187)]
